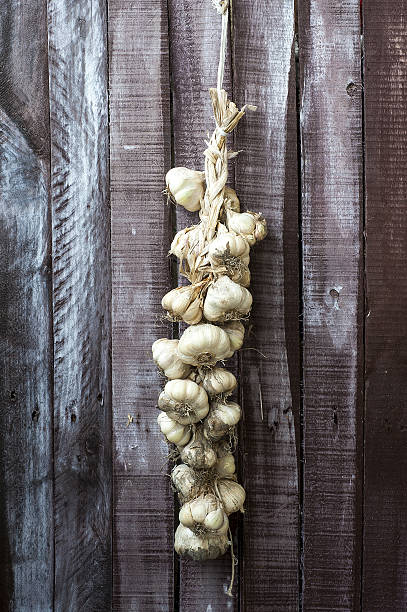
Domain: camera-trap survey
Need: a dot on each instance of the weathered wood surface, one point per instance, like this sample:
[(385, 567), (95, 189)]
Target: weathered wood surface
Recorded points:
[(194, 57), (385, 493), (26, 496), (266, 181), (331, 158), (140, 155), (81, 303)]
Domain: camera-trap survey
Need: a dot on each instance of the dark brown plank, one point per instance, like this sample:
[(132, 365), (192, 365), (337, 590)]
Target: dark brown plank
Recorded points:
[(385, 499), (266, 181), (140, 155), (331, 118), (81, 295), (194, 45), (26, 529)]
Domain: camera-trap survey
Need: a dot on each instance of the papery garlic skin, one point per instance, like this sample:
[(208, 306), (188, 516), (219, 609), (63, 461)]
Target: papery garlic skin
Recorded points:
[(232, 495), (198, 453), (184, 401), (185, 241), (166, 359), (235, 332), (184, 303), (203, 345), (205, 512), (174, 432), (230, 199), (218, 381), (226, 300), (222, 418), (226, 466), (200, 547), (249, 224), (187, 187)]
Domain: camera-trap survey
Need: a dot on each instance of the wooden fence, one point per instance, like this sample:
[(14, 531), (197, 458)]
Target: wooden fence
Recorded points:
[(96, 103)]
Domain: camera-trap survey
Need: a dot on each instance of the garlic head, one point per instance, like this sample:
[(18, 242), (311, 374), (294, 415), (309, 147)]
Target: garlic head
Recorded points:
[(174, 432), (218, 381), (226, 300), (186, 187), (166, 359), (204, 514), (230, 199), (249, 224), (226, 466), (184, 303), (184, 401), (184, 479), (235, 332), (222, 417), (198, 453), (203, 345), (200, 547), (232, 495)]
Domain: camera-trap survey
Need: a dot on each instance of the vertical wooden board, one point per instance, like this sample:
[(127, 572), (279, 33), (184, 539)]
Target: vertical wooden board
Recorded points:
[(81, 297), (385, 498), (26, 526), (331, 147), (195, 33), (266, 181), (140, 155)]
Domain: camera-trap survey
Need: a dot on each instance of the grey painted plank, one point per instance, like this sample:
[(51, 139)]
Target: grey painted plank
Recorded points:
[(266, 181), (81, 299), (194, 44), (26, 531), (385, 494), (140, 155), (331, 136)]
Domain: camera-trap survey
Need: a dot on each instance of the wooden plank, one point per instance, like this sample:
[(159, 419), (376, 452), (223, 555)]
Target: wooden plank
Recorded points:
[(331, 140), (266, 181), (26, 529), (194, 43), (140, 155), (385, 499), (81, 296)]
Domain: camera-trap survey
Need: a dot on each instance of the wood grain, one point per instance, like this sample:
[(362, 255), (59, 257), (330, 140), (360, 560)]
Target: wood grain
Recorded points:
[(266, 181), (140, 154), (81, 299), (385, 495), (26, 527), (331, 149), (194, 44)]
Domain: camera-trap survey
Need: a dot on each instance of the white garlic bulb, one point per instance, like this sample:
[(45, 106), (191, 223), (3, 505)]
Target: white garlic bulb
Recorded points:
[(235, 332), (174, 432), (204, 344), (226, 466), (184, 401), (206, 514), (187, 187), (184, 303), (200, 547), (166, 359), (249, 224), (226, 300), (231, 201), (218, 381), (227, 248), (185, 481), (198, 453), (232, 495), (185, 241), (222, 417)]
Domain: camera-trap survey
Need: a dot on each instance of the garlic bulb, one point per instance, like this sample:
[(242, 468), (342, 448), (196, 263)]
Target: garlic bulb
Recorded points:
[(235, 331), (203, 345), (184, 303), (218, 381), (174, 432), (225, 466), (198, 453), (200, 547), (249, 224), (222, 417), (184, 401), (166, 359), (185, 481), (226, 300), (186, 187), (204, 514), (185, 241), (231, 201), (228, 247), (232, 495)]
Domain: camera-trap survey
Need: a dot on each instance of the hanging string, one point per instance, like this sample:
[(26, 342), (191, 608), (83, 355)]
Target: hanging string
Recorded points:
[(222, 6)]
